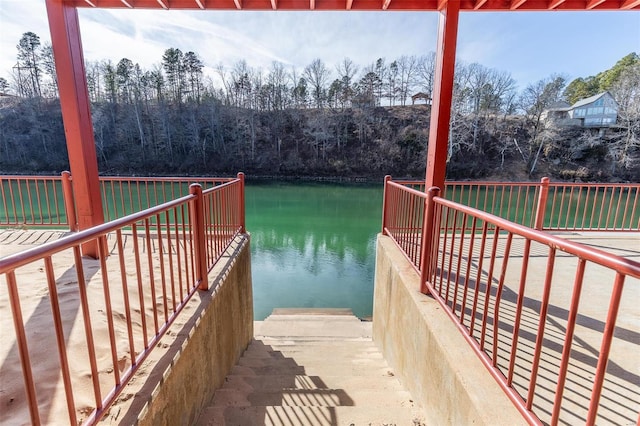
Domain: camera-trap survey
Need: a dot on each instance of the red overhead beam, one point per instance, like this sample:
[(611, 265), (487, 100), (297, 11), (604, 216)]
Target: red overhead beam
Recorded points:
[(414, 5)]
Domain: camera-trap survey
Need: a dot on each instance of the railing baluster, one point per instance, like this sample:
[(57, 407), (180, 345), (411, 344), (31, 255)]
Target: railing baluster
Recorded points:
[(568, 340), (544, 305), (23, 348), (496, 309), (125, 296), (86, 316), (603, 356)]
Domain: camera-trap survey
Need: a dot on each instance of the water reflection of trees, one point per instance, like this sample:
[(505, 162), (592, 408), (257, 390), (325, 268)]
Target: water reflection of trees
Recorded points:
[(314, 220), (314, 249)]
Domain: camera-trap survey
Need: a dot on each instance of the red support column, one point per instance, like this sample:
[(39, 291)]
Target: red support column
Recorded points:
[(442, 94), (76, 114)]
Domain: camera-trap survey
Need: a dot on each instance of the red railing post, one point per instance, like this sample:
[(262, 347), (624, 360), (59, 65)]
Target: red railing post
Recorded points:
[(542, 203), (387, 178), (428, 227), (242, 204), (69, 201), (199, 246)]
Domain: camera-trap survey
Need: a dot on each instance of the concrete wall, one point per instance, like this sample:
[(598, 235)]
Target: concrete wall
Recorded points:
[(428, 353), (217, 337)]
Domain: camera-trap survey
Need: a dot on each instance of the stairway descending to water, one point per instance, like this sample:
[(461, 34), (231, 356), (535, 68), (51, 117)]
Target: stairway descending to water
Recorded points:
[(312, 367)]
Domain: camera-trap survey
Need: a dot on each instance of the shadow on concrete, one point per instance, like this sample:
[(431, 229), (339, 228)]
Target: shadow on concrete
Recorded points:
[(268, 388)]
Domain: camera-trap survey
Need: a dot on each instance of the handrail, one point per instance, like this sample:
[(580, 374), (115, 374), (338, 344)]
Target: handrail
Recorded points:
[(552, 206), (171, 249), (464, 261), (49, 200), (16, 260), (592, 254)]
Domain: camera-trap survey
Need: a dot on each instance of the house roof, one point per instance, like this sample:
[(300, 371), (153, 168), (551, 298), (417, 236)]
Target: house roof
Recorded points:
[(559, 106), (589, 100), (472, 5)]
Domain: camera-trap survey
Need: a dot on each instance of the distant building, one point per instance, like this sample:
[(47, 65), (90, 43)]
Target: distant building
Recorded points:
[(596, 111)]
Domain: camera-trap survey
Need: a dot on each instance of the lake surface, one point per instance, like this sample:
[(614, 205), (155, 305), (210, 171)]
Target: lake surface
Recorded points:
[(313, 245)]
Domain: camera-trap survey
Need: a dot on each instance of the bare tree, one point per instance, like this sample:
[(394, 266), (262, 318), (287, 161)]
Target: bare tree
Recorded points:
[(426, 72), (407, 71), (317, 75), (49, 67), (626, 91), (535, 99)]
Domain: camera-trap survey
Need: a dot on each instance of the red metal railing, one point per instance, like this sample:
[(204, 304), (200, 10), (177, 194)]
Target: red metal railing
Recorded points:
[(538, 341), (123, 195), (32, 200), (156, 258), (592, 206), (49, 200), (552, 206)]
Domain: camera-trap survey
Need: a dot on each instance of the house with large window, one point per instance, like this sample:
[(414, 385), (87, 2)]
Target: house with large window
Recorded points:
[(596, 111), (600, 110)]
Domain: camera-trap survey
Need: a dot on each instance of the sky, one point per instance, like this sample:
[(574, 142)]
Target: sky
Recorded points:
[(529, 45)]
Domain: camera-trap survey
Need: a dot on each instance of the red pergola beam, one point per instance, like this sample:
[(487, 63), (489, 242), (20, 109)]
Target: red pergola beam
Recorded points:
[(76, 115), (442, 94), (408, 5)]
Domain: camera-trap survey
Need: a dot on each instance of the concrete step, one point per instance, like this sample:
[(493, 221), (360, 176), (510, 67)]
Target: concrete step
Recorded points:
[(309, 416), (335, 349), (271, 344), (314, 370), (275, 382), (312, 398), (306, 325), (308, 359)]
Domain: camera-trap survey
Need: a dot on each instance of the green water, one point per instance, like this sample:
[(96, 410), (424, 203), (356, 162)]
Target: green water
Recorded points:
[(313, 245)]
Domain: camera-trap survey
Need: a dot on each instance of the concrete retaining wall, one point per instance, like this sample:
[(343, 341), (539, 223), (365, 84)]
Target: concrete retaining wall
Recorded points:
[(218, 334), (428, 353)]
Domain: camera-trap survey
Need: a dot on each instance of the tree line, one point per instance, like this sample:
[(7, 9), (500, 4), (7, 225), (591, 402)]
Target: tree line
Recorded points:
[(175, 118)]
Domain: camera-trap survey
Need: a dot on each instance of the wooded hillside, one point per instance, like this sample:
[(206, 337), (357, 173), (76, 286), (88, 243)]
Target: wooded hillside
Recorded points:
[(212, 139), (174, 120)]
